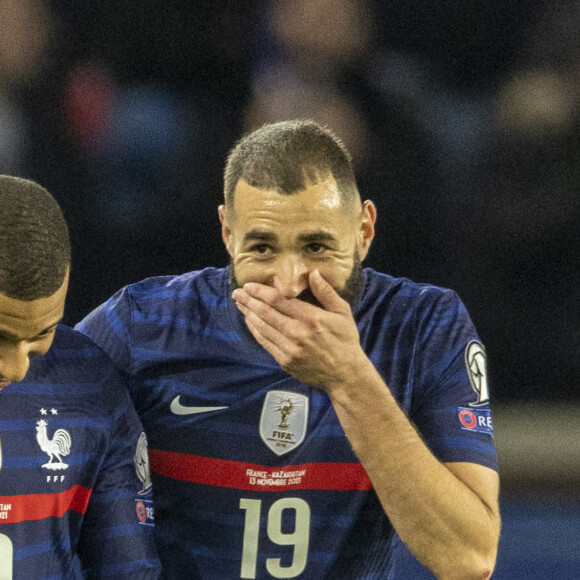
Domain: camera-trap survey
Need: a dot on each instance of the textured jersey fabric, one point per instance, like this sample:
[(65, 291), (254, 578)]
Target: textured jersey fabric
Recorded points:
[(253, 475), (75, 492)]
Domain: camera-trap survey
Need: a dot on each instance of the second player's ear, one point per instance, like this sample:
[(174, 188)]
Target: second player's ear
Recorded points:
[(226, 230), (366, 234)]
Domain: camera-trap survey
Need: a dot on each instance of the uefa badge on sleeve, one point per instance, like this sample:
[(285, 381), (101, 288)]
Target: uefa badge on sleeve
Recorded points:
[(476, 364), (144, 511), (475, 420), (141, 460)]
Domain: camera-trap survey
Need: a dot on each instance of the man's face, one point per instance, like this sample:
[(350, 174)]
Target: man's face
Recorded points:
[(277, 240), (26, 330)]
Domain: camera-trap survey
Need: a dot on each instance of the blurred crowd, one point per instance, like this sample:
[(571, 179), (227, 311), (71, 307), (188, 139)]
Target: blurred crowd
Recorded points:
[(464, 125)]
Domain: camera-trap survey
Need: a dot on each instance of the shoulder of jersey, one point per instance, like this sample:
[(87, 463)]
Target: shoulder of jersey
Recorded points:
[(208, 279), (378, 284), (69, 339), (73, 357)]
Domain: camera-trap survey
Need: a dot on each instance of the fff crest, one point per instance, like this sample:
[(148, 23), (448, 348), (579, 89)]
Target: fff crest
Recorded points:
[(283, 421)]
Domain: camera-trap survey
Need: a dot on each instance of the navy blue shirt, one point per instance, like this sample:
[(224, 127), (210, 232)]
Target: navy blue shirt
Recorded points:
[(253, 474), (75, 489)]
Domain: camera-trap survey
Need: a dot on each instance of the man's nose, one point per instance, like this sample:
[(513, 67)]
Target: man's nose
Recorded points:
[(14, 362), (291, 276)]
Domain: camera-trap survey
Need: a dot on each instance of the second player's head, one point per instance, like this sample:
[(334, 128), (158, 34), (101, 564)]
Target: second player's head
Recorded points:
[(35, 257)]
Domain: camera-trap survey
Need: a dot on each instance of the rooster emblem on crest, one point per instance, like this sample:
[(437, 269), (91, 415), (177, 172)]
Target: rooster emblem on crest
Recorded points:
[(56, 448)]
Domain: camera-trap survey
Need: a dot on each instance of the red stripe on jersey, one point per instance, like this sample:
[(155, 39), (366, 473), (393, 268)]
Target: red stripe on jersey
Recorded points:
[(37, 506), (239, 475)]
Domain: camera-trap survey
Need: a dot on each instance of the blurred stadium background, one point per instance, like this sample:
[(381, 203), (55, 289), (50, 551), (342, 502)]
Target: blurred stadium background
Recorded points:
[(464, 122)]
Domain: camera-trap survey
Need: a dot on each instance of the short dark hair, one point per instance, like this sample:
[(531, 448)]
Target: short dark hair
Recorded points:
[(35, 248), (286, 156)]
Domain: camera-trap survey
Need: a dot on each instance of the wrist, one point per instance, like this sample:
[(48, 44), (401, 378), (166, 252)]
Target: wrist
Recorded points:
[(356, 383)]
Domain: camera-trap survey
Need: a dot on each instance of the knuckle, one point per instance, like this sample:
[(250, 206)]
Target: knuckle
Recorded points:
[(295, 351), (277, 300), (259, 308), (301, 337), (316, 322), (289, 328), (296, 355)]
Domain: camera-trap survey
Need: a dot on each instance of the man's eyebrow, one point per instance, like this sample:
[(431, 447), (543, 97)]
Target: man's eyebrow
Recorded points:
[(8, 335), (50, 327), (14, 337), (318, 236), (260, 236)]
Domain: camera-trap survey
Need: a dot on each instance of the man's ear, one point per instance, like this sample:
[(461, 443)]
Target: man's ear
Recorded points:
[(226, 230), (368, 217)]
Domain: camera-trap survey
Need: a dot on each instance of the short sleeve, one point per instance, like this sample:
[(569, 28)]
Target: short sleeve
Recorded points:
[(108, 326), (117, 534), (451, 402)]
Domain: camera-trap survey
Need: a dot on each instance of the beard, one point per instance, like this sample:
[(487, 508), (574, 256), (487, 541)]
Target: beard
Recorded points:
[(350, 293)]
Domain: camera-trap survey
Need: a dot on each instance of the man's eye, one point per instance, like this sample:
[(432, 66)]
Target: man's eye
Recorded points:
[(43, 334), (261, 249), (315, 248)]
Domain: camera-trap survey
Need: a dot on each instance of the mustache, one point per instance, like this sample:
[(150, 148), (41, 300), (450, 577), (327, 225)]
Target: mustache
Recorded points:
[(307, 296), (351, 292)]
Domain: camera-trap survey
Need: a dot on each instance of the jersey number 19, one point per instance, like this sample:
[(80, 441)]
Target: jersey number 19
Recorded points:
[(6, 557), (298, 538)]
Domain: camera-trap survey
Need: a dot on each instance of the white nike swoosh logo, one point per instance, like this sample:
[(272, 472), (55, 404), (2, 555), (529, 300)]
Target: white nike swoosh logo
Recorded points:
[(178, 409)]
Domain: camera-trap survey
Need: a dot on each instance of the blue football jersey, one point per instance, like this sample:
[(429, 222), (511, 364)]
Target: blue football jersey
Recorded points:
[(75, 488), (252, 472)]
